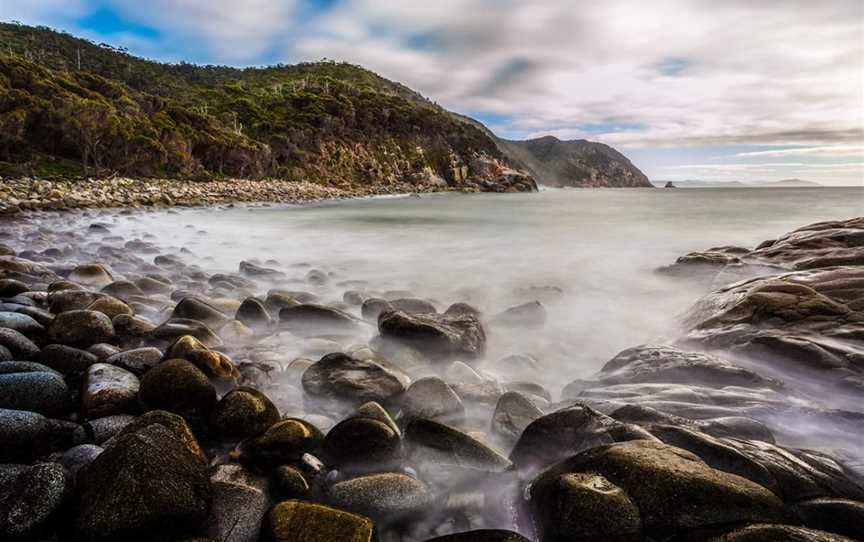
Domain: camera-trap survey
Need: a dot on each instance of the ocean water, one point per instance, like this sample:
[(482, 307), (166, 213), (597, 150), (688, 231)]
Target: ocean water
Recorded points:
[(588, 255)]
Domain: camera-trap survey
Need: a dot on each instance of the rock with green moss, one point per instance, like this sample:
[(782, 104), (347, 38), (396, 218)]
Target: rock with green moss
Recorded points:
[(243, 413), (297, 521)]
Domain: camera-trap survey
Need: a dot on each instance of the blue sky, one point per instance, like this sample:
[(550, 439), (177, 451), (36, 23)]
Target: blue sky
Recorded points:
[(733, 90)]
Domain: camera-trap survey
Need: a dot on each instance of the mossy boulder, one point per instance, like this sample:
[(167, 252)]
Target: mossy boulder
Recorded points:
[(297, 521), (243, 413), (178, 386)]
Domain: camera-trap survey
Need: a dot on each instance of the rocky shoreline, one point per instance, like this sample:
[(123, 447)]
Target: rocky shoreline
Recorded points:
[(143, 397), (31, 194)]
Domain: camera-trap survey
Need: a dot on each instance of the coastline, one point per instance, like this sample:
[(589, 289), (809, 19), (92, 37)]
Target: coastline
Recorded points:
[(27, 195)]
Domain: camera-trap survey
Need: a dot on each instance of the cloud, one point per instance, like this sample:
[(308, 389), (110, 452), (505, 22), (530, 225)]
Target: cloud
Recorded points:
[(830, 151), (666, 74)]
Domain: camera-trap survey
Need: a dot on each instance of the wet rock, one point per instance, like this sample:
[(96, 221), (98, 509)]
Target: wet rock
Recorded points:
[(373, 307), (42, 392), (352, 297), (385, 497), (122, 289), (215, 365), (562, 433), (17, 344), (375, 411), (804, 320), (310, 319), (173, 423), (249, 269), (26, 435), (317, 277), (239, 504), (346, 378), (462, 309), (151, 285), (361, 443), (253, 313), (109, 390), (178, 386), (672, 365), (12, 287), (786, 533), (243, 413), (103, 351), (437, 336), (110, 307), (513, 413), (439, 445), (71, 300), (583, 506), (193, 308), (102, 429), (137, 361), (297, 521), (840, 516), (81, 328), (284, 442), (147, 485), (78, 457), (413, 305), (21, 323), (527, 314), (31, 499), (175, 328), (672, 489), (129, 328), (289, 483), (432, 398)]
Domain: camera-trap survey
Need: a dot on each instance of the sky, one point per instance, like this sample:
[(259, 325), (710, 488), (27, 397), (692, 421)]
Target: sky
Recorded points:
[(688, 89)]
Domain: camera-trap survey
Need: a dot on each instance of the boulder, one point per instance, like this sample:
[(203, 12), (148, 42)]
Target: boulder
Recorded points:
[(81, 328), (298, 521), (109, 390), (432, 398), (42, 392), (243, 413), (193, 308), (215, 365), (361, 443), (437, 336), (91, 275), (31, 499), (284, 442), (240, 502), (253, 313), (527, 314), (568, 431), (137, 360), (21, 323), (513, 413), (434, 445), (346, 378), (313, 319), (145, 486), (178, 386), (17, 344), (67, 359), (385, 497), (481, 535), (672, 490)]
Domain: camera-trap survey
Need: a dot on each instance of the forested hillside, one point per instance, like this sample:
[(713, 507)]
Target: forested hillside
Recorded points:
[(71, 107)]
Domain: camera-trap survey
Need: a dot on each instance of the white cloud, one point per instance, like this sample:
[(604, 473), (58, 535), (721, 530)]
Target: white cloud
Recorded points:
[(831, 151)]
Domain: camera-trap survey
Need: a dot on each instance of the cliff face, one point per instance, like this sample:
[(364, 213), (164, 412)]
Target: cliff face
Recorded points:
[(69, 107), (577, 163)]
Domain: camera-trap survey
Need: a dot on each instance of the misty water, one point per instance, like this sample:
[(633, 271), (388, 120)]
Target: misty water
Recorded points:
[(588, 255)]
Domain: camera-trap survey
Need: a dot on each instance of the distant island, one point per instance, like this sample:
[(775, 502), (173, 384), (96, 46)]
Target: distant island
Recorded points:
[(696, 183)]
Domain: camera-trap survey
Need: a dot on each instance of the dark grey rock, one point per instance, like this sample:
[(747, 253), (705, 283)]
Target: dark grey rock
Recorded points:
[(42, 392)]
